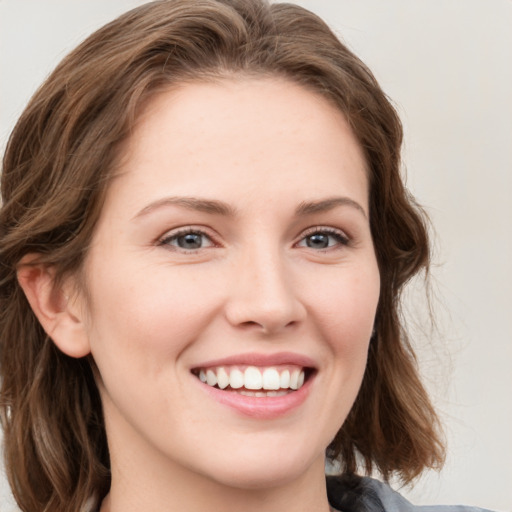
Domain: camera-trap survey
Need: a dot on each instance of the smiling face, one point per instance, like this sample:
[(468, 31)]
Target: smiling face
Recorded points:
[(232, 285)]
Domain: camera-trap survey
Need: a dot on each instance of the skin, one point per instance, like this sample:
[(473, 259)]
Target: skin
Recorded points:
[(154, 310)]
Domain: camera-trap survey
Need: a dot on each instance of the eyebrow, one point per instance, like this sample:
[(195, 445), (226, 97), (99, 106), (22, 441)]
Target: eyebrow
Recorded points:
[(311, 207), (216, 207), (191, 203)]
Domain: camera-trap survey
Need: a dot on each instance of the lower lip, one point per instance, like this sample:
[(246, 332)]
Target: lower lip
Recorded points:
[(265, 407)]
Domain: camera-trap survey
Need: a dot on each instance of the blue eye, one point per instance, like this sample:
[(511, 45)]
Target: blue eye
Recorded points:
[(188, 240), (323, 239)]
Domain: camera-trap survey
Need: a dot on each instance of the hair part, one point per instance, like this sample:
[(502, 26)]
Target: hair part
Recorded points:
[(58, 163)]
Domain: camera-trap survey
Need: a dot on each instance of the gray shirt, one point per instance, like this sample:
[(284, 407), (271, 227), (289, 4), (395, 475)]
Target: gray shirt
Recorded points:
[(363, 494)]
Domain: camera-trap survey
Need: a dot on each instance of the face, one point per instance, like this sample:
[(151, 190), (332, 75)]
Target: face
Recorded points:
[(232, 284)]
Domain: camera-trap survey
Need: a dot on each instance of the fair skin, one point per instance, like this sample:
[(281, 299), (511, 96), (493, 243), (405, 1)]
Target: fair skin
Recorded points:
[(235, 236)]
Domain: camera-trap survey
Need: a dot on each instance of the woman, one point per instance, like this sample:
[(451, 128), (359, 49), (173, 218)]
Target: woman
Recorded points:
[(204, 238)]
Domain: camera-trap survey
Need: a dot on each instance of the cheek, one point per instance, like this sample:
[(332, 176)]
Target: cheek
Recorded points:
[(347, 301), (149, 314), (344, 309), (143, 321)]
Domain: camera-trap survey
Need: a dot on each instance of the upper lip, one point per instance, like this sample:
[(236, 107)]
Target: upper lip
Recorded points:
[(261, 360)]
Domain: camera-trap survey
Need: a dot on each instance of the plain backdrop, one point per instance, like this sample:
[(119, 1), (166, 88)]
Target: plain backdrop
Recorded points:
[(447, 65)]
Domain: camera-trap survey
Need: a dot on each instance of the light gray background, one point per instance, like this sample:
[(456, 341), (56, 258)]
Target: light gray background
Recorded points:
[(447, 66)]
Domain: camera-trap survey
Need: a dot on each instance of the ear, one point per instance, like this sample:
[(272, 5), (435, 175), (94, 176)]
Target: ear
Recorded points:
[(61, 317)]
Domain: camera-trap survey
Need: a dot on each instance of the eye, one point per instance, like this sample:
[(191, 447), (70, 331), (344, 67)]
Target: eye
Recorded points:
[(188, 240), (323, 239)]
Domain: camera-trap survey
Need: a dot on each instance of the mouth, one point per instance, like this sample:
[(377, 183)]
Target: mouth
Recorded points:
[(255, 381)]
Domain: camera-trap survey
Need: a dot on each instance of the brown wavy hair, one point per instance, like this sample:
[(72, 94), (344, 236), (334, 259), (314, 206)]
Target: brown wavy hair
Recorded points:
[(57, 167)]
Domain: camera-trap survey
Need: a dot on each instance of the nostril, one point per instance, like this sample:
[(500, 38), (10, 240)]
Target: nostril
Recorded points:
[(266, 327), (250, 323)]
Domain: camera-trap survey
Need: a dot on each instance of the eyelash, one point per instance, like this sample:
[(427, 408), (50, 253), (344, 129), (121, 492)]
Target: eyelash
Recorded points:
[(341, 238), (168, 238)]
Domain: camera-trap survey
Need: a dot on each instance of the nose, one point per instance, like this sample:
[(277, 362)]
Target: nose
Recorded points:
[(263, 294)]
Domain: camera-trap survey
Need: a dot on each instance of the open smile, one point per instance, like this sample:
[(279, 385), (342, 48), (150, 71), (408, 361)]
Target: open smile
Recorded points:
[(258, 386), (253, 380)]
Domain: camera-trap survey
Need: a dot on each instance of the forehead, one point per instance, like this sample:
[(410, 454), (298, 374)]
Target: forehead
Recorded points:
[(243, 132)]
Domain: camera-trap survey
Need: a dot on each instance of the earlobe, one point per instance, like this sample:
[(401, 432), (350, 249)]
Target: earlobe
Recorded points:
[(60, 317)]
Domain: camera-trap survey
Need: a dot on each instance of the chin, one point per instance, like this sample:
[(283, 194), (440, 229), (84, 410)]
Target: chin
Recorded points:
[(259, 479), (274, 470)]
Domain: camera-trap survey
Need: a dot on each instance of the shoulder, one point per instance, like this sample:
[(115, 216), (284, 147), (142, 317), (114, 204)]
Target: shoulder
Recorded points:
[(350, 493)]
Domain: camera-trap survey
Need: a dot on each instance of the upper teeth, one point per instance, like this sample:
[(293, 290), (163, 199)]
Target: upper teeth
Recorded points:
[(253, 378)]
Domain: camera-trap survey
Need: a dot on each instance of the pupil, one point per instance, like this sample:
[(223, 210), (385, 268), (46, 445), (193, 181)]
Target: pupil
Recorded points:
[(190, 241), (318, 241)]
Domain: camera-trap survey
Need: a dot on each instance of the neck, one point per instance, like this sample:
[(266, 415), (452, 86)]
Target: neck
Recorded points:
[(179, 490)]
